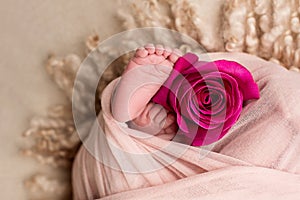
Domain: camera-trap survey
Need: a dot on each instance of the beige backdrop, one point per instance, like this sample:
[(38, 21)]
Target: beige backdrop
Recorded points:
[(30, 30)]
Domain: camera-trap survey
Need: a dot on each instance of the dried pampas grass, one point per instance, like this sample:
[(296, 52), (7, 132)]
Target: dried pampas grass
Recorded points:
[(266, 28)]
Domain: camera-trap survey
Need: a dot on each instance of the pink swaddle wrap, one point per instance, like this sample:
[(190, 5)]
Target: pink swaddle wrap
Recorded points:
[(257, 159)]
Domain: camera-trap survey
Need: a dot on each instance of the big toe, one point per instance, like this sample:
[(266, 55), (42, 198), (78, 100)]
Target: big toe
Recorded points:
[(141, 52), (176, 53)]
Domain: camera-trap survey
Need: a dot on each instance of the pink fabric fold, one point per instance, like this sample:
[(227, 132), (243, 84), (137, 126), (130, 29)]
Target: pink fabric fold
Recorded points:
[(257, 159), (249, 183)]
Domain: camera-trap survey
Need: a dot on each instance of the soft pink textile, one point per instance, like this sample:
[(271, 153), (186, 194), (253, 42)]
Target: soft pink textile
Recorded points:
[(257, 159)]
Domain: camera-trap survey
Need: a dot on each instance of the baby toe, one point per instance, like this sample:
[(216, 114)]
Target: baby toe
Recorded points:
[(176, 53), (170, 119), (150, 48), (167, 52), (157, 114), (171, 129), (159, 49), (141, 52)]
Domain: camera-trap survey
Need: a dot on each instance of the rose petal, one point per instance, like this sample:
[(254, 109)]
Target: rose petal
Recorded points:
[(244, 78)]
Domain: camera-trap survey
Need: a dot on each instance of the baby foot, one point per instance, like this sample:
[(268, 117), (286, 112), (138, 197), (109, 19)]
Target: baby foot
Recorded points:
[(144, 75), (155, 120), (153, 55)]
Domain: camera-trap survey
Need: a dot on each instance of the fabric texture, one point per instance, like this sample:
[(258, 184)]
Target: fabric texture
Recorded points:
[(257, 159)]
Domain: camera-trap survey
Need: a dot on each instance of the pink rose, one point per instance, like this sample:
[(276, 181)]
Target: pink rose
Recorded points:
[(206, 97)]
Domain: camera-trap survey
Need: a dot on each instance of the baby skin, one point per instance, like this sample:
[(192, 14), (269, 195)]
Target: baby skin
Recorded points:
[(131, 102)]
